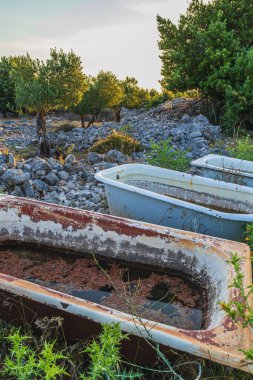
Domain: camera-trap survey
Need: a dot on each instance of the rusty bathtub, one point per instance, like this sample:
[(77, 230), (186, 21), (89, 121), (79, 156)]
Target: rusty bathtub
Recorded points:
[(202, 258)]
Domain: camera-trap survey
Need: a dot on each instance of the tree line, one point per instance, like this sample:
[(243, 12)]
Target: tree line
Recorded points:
[(30, 85)]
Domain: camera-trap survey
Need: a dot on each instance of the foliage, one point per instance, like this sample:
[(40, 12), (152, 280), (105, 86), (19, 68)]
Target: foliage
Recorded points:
[(249, 235), (157, 98), (107, 91), (103, 91), (50, 85), (240, 309), (119, 141), (242, 149), (48, 362), (23, 362), (105, 356), (193, 57), (133, 95), (43, 86), (7, 95), (162, 154)]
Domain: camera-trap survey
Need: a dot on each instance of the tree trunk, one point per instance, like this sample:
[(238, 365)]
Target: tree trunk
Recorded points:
[(44, 143), (117, 113), (91, 121), (82, 121)]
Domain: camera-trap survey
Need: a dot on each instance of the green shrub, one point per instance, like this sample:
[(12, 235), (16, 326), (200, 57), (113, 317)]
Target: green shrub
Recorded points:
[(119, 141), (240, 309), (24, 363), (161, 154), (243, 149), (249, 235), (105, 356)]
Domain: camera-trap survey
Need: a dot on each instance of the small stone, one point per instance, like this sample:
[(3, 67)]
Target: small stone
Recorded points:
[(115, 156), (15, 177), (70, 159), (86, 194), (41, 164), (40, 174), (71, 185), (68, 167), (194, 135), (28, 189), (19, 165), (17, 192), (3, 168), (40, 185), (186, 118), (51, 179), (63, 175), (11, 160), (3, 157), (93, 157), (26, 167), (57, 166), (89, 205)]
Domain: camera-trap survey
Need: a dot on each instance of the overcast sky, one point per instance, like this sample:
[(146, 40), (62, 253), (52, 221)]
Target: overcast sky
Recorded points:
[(116, 35)]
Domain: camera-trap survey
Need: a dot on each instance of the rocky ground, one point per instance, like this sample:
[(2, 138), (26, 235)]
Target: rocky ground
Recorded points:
[(71, 181)]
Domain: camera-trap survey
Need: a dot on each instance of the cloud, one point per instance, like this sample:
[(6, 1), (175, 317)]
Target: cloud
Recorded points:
[(117, 35)]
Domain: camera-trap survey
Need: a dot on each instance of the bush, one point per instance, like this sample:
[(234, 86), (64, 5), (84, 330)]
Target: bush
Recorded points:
[(243, 149), (161, 154), (118, 141)]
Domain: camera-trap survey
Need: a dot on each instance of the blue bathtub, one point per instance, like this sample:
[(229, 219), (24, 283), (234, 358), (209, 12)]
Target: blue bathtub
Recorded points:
[(127, 198)]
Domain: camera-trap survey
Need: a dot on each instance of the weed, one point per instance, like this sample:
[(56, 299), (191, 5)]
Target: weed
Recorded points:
[(24, 363), (48, 362), (105, 356), (239, 309), (162, 154), (242, 149), (249, 235), (21, 362)]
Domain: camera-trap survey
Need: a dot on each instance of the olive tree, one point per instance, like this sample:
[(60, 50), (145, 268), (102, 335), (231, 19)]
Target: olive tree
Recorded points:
[(109, 91), (103, 91), (42, 86)]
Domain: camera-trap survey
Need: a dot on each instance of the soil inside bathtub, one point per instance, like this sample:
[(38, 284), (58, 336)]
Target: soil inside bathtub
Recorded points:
[(144, 292), (195, 197)]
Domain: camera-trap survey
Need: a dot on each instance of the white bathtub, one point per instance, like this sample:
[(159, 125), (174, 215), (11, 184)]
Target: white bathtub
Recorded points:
[(225, 169), (133, 202)]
